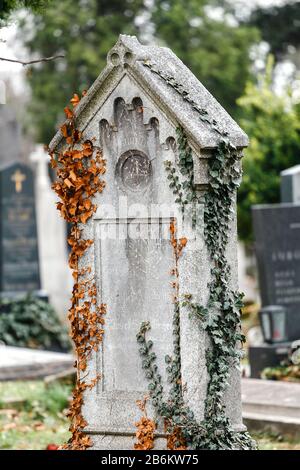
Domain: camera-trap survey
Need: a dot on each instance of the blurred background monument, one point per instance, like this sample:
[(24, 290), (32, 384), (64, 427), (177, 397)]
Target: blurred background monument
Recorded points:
[(33, 250), (277, 245)]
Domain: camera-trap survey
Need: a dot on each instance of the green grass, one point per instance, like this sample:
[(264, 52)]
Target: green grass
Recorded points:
[(268, 441), (40, 419), (37, 422)]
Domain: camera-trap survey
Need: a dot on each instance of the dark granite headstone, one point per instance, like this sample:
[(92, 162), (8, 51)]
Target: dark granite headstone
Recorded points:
[(19, 261), (277, 245), (266, 355)]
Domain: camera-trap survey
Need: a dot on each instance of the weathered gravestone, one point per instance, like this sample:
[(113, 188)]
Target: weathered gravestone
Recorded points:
[(277, 246), (10, 136), (290, 185), (132, 112), (19, 261), (56, 278)]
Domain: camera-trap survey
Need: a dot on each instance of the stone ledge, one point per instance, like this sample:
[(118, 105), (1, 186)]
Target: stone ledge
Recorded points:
[(271, 406)]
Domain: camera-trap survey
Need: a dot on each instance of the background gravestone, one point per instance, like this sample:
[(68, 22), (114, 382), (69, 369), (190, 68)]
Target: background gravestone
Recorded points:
[(290, 185), (56, 277), (19, 261), (10, 136), (277, 245), (132, 113)]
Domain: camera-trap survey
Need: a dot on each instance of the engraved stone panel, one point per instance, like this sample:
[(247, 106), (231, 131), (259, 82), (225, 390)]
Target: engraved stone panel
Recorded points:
[(134, 277)]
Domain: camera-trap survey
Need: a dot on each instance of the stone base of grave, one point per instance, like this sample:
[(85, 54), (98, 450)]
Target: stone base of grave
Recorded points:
[(126, 441), (271, 406), (122, 442), (29, 364)]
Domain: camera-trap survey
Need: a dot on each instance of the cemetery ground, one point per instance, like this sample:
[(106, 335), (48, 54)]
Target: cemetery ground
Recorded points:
[(32, 414), (33, 417)]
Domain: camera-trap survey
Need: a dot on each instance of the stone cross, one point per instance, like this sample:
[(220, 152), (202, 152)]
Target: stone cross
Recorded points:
[(133, 112), (18, 179)]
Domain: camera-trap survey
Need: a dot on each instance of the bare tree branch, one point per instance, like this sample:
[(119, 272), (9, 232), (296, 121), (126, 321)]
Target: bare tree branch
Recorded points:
[(30, 62)]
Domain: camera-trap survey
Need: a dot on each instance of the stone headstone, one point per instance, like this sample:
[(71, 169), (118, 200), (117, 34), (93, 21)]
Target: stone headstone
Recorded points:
[(132, 113), (10, 136), (19, 260), (277, 245), (56, 277), (290, 185)]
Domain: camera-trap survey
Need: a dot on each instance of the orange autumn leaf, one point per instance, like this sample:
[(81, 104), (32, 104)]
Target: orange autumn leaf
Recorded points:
[(53, 162), (87, 204), (68, 183), (68, 112), (183, 241), (72, 175), (77, 154), (75, 100), (85, 216), (64, 130), (172, 227), (69, 140), (77, 181), (87, 148)]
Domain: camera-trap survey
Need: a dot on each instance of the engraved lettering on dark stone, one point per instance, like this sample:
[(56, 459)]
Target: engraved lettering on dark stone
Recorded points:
[(277, 243), (19, 261)]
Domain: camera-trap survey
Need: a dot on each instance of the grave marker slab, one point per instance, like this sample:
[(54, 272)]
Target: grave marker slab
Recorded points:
[(290, 185), (133, 112), (10, 136), (277, 245), (19, 261)]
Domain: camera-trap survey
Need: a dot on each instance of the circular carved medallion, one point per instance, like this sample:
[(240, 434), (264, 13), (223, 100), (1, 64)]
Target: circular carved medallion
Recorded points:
[(134, 170)]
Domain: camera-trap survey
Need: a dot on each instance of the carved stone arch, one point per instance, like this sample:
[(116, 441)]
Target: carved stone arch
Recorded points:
[(137, 103), (153, 124), (104, 131), (119, 110), (171, 144)]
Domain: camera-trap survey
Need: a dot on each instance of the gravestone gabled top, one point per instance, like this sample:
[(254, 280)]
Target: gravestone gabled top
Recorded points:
[(130, 57)]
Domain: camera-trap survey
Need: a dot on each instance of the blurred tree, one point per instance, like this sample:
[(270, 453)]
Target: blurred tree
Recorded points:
[(83, 32), (279, 26), (273, 125), (207, 37), (215, 48), (7, 7)]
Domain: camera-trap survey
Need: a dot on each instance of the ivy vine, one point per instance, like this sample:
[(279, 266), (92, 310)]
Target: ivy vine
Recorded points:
[(220, 318), (183, 187), (172, 409)]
